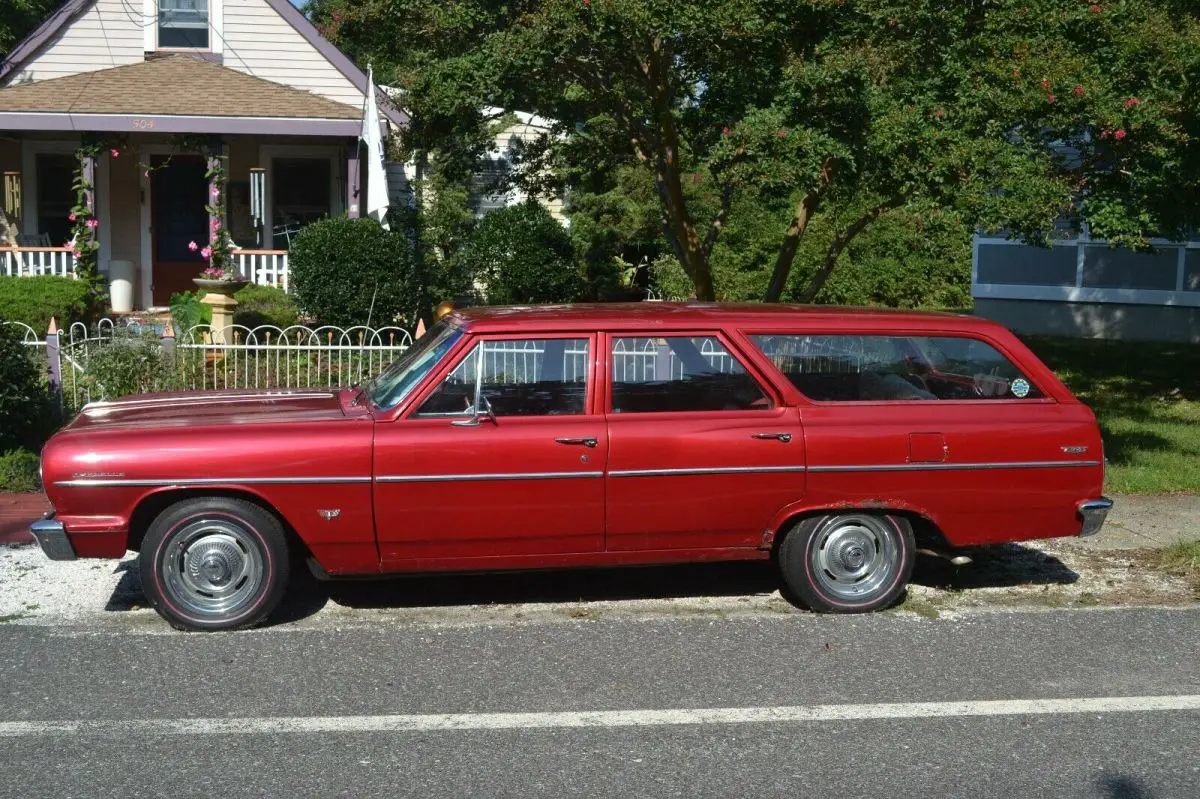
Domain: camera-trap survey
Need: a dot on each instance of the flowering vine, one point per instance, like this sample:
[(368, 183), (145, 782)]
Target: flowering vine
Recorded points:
[(84, 245), (219, 252)]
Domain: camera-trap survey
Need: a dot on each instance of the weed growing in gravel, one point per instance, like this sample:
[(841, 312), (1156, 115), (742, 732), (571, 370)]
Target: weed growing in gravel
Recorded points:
[(1182, 559)]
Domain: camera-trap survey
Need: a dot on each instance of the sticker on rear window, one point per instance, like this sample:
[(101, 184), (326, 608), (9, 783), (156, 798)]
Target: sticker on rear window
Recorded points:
[(1020, 388)]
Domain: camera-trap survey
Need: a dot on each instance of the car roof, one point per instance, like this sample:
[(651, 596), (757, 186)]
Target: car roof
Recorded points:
[(684, 315)]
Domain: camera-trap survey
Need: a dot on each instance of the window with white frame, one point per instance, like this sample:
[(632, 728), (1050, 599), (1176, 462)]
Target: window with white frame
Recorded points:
[(183, 24)]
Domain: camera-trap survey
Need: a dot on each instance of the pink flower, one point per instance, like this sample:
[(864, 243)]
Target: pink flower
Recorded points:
[(695, 177), (1045, 84), (71, 216), (206, 253), (725, 131), (939, 113), (115, 153), (1050, 98), (77, 253), (1132, 102), (147, 173), (93, 223), (1095, 9), (783, 133), (193, 246), (1104, 134), (1078, 91), (215, 224), (1119, 134), (215, 192)]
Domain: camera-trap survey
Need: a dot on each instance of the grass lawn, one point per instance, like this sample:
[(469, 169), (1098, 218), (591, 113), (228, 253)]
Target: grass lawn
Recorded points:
[(1147, 398)]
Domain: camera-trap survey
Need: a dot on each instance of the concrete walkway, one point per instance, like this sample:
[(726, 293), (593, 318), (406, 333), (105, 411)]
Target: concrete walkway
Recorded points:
[(1134, 522)]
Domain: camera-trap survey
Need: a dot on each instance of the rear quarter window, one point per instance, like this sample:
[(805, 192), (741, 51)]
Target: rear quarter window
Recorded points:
[(865, 368)]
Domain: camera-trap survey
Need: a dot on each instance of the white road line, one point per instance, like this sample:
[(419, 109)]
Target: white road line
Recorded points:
[(599, 718)]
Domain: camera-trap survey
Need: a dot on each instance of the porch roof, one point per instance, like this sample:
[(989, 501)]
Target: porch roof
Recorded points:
[(172, 94)]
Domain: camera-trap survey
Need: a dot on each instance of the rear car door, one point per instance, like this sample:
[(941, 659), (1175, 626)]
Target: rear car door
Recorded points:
[(702, 452), (454, 485)]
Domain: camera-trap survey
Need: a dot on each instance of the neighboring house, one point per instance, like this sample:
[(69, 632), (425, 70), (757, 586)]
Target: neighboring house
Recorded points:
[(485, 195), (1083, 287), (254, 76)]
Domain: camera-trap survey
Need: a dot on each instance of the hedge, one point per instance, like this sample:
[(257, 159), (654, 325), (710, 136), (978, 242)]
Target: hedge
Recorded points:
[(33, 300)]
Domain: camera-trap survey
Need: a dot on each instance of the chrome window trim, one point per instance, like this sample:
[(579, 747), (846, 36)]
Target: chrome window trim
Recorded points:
[(936, 467), (450, 478), (207, 481), (712, 470)]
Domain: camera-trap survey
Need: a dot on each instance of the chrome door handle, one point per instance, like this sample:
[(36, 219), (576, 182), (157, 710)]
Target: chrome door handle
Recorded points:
[(586, 442), (784, 437)]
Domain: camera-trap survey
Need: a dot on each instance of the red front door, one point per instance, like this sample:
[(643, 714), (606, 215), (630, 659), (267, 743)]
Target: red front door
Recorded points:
[(453, 485), (178, 195), (702, 454)]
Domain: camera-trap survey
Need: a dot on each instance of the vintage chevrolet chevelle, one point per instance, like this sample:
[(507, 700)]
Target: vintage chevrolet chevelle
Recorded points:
[(833, 441)]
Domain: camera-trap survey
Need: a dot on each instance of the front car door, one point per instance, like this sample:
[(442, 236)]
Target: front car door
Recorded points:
[(702, 452), (501, 459)]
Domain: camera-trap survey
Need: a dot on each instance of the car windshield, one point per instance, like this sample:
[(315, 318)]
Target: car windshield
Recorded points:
[(395, 382)]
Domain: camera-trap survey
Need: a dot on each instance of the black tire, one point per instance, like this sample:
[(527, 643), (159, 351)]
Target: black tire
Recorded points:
[(214, 563), (850, 562)]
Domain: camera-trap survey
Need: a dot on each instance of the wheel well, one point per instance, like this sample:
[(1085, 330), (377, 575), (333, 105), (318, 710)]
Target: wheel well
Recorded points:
[(150, 507), (925, 531)]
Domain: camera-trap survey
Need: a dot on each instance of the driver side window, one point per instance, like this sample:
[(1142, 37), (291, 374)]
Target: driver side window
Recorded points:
[(519, 377)]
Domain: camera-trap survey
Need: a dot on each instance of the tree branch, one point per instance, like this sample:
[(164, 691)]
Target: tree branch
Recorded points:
[(840, 242), (718, 222), (791, 239)]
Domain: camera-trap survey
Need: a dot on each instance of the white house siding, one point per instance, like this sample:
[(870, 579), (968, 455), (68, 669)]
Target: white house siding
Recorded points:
[(108, 34), (260, 42), (527, 130)]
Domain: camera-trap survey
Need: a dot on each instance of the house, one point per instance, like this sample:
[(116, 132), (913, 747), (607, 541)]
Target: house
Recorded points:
[(1080, 286), (160, 84)]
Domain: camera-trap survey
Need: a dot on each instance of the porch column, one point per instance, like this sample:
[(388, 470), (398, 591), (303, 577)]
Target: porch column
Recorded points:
[(353, 180), (87, 170)]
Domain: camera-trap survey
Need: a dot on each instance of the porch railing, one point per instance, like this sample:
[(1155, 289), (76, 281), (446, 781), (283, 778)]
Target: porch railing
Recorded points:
[(263, 267), (24, 261)]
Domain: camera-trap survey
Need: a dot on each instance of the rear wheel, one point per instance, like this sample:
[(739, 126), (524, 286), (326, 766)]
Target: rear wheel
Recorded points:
[(214, 563), (848, 562)]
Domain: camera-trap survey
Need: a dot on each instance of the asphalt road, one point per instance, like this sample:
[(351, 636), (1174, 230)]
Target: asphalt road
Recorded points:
[(772, 705)]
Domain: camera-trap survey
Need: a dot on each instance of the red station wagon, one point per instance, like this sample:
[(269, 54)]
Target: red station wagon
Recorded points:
[(833, 441)]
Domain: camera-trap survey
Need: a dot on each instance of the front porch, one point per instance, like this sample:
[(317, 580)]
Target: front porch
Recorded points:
[(289, 158)]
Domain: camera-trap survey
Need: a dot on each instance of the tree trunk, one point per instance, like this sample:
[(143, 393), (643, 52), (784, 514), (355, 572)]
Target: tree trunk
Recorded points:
[(839, 244), (791, 243)]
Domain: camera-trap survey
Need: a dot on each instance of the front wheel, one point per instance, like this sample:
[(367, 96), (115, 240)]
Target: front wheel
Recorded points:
[(848, 562), (214, 563)]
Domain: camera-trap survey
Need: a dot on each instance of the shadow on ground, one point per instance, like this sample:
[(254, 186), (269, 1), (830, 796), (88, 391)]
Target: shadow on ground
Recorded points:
[(994, 567)]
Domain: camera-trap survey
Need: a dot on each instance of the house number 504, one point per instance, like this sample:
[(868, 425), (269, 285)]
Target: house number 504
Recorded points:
[(143, 124)]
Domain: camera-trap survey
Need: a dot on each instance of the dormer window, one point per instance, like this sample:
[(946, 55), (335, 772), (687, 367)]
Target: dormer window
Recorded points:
[(183, 24)]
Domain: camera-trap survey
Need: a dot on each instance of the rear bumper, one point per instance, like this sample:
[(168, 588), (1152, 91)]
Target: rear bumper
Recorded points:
[(51, 536), (1093, 513)]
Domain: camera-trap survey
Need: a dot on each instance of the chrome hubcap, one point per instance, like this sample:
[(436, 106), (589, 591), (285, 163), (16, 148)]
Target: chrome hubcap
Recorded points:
[(855, 557), (212, 568)]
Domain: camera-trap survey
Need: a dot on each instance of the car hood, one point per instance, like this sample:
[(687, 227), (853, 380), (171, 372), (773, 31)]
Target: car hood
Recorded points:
[(202, 408)]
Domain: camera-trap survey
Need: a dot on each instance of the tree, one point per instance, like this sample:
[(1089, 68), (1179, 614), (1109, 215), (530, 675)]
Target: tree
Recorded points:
[(1011, 113), (521, 254), (19, 17)]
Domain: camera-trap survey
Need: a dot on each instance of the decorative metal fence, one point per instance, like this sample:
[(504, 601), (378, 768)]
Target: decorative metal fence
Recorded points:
[(293, 357)]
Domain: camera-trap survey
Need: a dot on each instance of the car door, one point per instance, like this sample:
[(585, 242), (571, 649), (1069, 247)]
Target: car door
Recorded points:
[(516, 475), (702, 452), (943, 424)]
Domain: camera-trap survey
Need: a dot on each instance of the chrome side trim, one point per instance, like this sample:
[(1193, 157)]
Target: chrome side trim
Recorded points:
[(713, 470), (938, 467), (209, 481), (451, 478), (186, 398)]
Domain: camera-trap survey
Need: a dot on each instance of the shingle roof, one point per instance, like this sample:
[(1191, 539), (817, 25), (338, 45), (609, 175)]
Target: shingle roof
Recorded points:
[(176, 85)]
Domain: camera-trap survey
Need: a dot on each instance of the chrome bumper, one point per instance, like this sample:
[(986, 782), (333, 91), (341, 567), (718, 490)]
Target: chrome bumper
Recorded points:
[(1093, 513), (52, 538)]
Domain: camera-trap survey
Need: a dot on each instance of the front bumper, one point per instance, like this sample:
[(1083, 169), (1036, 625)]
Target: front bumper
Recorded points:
[(1093, 513), (51, 536)]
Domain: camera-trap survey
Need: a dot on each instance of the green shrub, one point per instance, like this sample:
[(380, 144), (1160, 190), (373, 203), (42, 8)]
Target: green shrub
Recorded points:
[(521, 254), (34, 300), (265, 305), (27, 414), (19, 472), (187, 311), (129, 364), (345, 271)]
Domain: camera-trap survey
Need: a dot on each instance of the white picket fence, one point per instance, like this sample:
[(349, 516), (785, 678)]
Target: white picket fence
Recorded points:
[(263, 267)]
